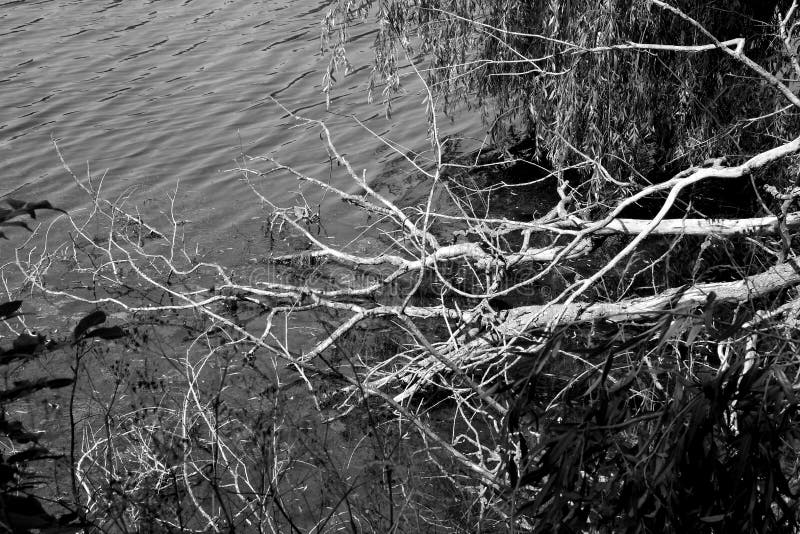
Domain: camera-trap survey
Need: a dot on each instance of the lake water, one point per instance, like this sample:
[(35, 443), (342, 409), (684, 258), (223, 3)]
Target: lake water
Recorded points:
[(154, 95), (149, 94)]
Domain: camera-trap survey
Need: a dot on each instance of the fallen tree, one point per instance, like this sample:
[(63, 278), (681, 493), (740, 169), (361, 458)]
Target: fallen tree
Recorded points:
[(580, 369)]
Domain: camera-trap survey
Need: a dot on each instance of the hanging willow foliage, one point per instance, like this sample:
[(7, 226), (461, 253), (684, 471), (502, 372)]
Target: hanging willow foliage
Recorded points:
[(570, 74)]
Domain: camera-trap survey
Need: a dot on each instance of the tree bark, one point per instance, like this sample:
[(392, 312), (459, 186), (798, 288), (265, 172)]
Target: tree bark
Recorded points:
[(524, 318)]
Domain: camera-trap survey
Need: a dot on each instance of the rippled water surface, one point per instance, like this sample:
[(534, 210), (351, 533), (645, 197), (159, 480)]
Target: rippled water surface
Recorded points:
[(150, 97), (146, 94)]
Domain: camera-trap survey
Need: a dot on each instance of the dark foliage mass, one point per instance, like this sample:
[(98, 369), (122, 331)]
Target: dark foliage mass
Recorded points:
[(559, 73), (677, 466)]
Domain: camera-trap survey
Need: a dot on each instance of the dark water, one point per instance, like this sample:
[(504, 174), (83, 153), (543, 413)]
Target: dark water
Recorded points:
[(151, 95)]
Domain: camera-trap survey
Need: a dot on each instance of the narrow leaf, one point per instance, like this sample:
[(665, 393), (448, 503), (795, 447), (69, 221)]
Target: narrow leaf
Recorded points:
[(93, 319), (110, 332), (16, 223), (7, 308), (58, 383), (31, 207), (33, 453), (16, 204)]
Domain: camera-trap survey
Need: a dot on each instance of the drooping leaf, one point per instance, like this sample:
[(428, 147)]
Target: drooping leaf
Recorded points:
[(31, 207), (16, 223), (109, 332), (16, 432), (55, 383), (44, 205), (93, 319), (22, 206), (32, 453), (8, 308)]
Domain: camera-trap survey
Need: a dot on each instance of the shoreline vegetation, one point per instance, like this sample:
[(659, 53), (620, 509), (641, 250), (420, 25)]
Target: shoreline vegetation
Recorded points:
[(591, 327)]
